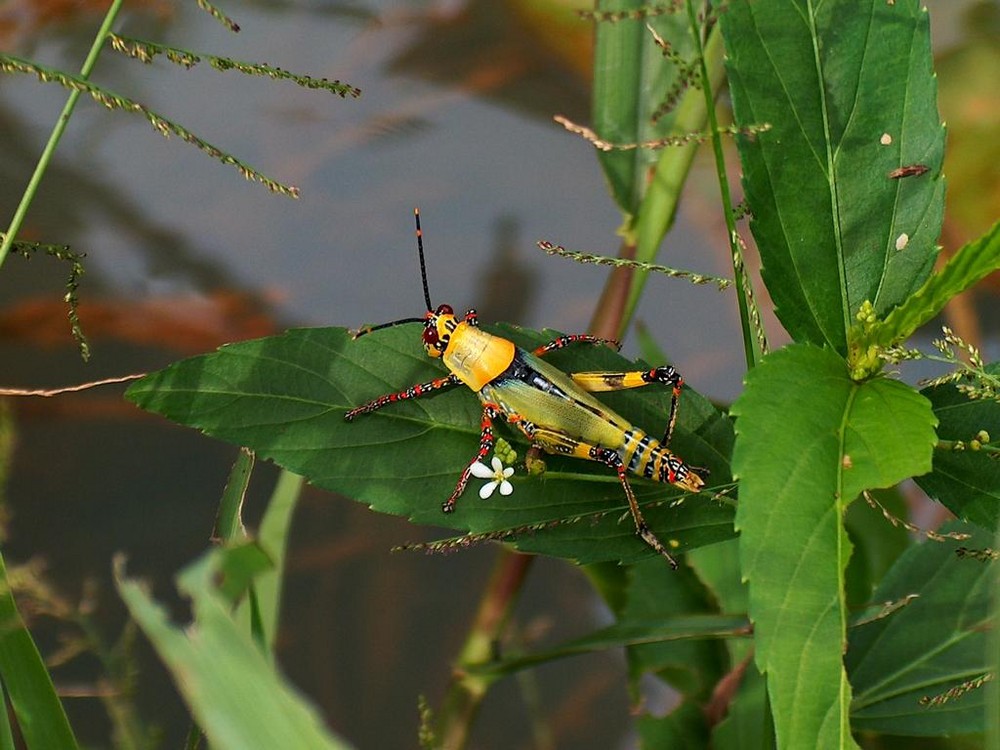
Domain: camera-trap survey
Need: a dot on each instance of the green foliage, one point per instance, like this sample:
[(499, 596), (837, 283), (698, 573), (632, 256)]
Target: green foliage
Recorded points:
[(972, 263), (272, 536), (821, 621), (285, 398), (965, 480), (905, 667), (797, 474), (26, 681), (849, 95), (237, 696), (848, 91)]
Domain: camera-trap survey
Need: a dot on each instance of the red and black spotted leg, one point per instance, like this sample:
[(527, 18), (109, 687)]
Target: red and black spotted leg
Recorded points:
[(420, 389), (574, 338), (486, 438), (611, 459)]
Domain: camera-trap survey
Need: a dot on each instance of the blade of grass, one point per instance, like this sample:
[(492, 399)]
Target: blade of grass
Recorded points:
[(658, 209), (751, 344), (236, 695), (273, 537), (229, 522), (6, 735), (40, 714)]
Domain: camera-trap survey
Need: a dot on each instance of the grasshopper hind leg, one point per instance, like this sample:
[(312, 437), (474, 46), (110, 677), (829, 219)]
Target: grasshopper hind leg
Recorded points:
[(596, 382), (557, 442), (611, 459)]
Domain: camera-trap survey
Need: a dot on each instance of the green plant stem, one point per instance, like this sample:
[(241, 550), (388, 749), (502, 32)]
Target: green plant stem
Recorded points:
[(962, 445), (659, 205), (466, 691), (57, 132), (751, 346)]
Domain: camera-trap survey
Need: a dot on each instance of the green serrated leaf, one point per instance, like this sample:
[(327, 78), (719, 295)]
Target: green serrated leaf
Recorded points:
[(285, 397), (848, 91), (657, 593), (799, 467), (966, 482), (903, 666), (972, 263)]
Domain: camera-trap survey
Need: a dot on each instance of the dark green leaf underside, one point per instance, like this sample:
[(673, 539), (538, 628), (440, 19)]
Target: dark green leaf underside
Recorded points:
[(966, 482), (901, 665)]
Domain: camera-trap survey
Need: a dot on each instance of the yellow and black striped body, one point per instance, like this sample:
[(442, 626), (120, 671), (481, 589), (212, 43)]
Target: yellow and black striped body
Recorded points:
[(556, 413)]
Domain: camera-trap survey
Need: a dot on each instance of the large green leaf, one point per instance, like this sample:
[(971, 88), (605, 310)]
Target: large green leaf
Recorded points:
[(903, 666), (656, 593), (966, 482), (285, 397), (848, 91), (809, 440)]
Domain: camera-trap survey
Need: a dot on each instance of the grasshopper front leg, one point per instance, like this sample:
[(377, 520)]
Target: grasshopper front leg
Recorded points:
[(486, 440), (414, 391)]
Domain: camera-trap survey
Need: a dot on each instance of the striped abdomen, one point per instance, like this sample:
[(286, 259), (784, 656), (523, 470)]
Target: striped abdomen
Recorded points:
[(645, 456)]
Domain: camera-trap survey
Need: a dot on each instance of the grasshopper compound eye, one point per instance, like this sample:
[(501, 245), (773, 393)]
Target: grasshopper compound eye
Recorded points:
[(430, 337), (434, 342)]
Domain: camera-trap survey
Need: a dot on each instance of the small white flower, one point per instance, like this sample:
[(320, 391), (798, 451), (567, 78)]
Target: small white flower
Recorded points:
[(497, 476)]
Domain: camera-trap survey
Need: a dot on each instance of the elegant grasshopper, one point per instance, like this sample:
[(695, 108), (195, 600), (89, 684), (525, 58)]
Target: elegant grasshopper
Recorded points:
[(554, 410)]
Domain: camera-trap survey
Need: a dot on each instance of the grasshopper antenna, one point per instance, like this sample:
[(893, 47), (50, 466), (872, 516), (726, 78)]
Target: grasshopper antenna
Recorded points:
[(423, 265), (423, 278)]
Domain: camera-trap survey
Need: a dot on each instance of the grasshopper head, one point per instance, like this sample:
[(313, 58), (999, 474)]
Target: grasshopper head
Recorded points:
[(438, 327)]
